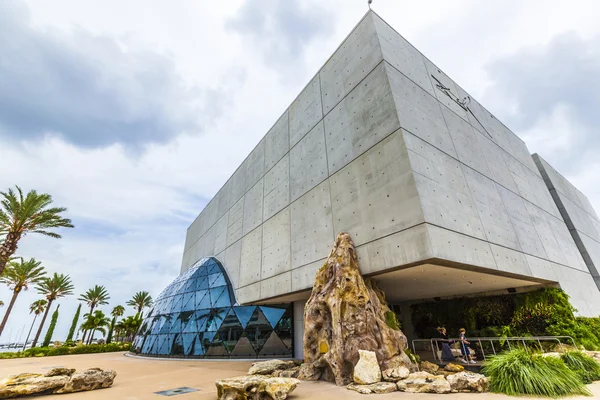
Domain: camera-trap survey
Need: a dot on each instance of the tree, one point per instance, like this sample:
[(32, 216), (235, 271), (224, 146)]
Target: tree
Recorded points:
[(20, 215), (116, 312), (18, 276), (98, 295), (95, 322), (57, 286), (74, 324), (140, 301), (37, 307), (1, 303), (129, 326), (50, 332)]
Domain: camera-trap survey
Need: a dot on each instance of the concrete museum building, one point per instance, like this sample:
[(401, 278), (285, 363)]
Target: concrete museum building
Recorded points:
[(440, 198)]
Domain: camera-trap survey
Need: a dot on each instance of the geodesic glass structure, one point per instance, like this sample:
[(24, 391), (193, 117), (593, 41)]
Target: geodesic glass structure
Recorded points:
[(197, 316)]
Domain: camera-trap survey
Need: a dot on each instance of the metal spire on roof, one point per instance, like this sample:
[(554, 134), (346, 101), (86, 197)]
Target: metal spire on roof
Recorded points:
[(369, 3)]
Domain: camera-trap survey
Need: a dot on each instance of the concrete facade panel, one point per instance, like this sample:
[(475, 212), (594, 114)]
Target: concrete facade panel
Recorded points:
[(306, 111), (248, 294), (276, 245), (304, 277), (238, 185), (253, 207), (445, 90), (453, 246), (375, 195), (402, 248), (235, 222), (231, 260), (360, 120), (277, 188), (221, 234), (277, 142), (251, 257), (402, 55), (419, 112), (308, 162), (542, 268), (350, 63), (276, 286), (312, 226), (255, 165), (509, 260), (495, 159)]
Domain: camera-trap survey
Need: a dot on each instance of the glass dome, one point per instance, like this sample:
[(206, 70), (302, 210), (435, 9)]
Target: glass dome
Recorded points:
[(197, 316)]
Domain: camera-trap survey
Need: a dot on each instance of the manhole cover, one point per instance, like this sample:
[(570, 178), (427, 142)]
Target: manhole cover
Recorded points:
[(175, 392)]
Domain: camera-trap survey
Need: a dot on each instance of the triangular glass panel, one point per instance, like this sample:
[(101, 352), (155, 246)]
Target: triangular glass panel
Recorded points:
[(178, 349), (177, 304), (274, 347), (189, 303), (166, 326), (224, 300), (231, 330), (190, 285), (203, 270), (202, 317), (201, 283), (212, 278), (244, 313), (214, 268), (163, 345), (217, 348), (207, 338), (158, 324), (258, 329), (188, 342), (219, 281), (215, 294), (204, 302), (198, 346), (273, 314), (199, 296), (243, 349), (284, 328), (148, 344), (175, 324), (215, 319)]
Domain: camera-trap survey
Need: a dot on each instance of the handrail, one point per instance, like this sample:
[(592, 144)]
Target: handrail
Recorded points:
[(434, 342)]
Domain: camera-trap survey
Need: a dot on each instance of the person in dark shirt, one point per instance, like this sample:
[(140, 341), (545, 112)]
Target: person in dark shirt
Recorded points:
[(446, 351)]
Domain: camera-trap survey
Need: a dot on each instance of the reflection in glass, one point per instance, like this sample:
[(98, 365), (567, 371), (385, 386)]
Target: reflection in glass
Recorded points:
[(196, 316)]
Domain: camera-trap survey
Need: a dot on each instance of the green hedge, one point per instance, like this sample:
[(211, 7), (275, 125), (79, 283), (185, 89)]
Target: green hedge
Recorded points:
[(542, 312), (65, 350)]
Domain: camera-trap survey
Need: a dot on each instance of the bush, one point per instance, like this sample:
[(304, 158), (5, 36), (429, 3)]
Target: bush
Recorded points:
[(519, 372), (583, 365), (65, 350)]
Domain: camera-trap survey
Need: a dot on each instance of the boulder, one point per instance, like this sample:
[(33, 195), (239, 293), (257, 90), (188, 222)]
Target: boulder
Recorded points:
[(444, 373), (344, 314), (395, 374), (366, 370), (268, 367), (594, 354), (290, 373), (454, 367), (255, 387), (378, 388), (90, 379), (424, 382), (429, 367), (56, 381), (468, 382)]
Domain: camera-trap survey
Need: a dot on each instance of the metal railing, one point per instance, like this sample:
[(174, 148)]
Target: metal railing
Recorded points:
[(436, 347)]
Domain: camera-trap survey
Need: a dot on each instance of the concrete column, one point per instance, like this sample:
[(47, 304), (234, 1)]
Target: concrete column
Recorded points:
[(299, 329)]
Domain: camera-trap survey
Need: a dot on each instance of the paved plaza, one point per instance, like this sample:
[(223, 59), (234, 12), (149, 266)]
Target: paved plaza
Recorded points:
[(142, 378)]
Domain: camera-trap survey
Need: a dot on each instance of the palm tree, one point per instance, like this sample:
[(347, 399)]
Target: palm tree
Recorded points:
[(37, 307), (95, 322), (18, 276), (116, 312), (140, 301), (98, 295), (129, 326), (57, 286), (20, 215)]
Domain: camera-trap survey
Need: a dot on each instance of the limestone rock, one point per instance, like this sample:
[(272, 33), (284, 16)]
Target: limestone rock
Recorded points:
[(255, 387), (424, 382), (444, 373), (366, 370), (30, 384), (346, 313), (429, 367), (90, 379), (378, 388), (594, 354), (454, 367), (468, 382), (395, 374), (290, 373), (57, 380), (268, 367)]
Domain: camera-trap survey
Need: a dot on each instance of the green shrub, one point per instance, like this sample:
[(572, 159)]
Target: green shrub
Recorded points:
[(65, 350), (519, 372), (583, 365), (413, 357), (533, 320)]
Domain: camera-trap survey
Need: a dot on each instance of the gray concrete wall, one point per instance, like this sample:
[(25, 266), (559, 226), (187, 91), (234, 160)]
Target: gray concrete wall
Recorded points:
[(578, 213), (375, 146)]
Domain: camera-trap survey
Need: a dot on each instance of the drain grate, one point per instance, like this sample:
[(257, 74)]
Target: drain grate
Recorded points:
[(176, 391)]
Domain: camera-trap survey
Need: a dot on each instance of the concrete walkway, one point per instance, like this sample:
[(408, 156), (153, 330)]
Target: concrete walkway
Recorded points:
[(140, 378)]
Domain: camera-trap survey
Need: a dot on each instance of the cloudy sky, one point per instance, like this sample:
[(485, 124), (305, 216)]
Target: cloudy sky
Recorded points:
[(133, 114)]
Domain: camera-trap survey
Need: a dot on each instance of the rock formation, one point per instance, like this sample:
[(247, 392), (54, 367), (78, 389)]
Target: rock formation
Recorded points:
[(270, 366), (56, 381), (345, 314), (255, 387), (378, 388), (467, 382), (366, 370), (395, 374), (424, 382)]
